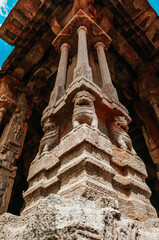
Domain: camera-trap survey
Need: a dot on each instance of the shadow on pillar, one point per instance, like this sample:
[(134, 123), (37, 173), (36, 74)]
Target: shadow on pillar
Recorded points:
[(139, 144), (29, 152), (20, 185)]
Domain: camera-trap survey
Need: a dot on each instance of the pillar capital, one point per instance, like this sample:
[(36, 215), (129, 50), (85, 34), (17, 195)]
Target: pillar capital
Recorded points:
[(82, 28), (65, 46), (99, 44)]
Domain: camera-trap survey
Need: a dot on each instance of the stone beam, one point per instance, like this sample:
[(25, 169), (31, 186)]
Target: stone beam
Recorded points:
[(140, 17), (119, 42), (19, 17), (32, 57)]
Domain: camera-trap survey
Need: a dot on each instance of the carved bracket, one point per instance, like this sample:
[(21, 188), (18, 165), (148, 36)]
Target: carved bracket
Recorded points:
[(119, 129), (50, 138), (84, 110)]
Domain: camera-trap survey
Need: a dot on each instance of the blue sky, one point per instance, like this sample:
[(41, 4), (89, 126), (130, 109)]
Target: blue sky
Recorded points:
[(7, 5), (155, 5)]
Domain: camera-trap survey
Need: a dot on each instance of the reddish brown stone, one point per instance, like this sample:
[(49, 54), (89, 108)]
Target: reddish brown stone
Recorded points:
[(86, 149)]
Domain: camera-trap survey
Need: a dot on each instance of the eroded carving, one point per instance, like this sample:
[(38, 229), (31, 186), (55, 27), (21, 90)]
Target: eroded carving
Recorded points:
[(50, 138), (84, 110), (83, 72), (11, 145), (119, 130), (7, 190)]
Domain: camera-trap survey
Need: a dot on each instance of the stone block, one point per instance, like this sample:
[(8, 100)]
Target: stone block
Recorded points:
[(76, 218)]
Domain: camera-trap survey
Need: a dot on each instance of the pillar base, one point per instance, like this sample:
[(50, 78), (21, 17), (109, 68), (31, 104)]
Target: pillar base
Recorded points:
[(84, 164), (79, 165), (129, 182)]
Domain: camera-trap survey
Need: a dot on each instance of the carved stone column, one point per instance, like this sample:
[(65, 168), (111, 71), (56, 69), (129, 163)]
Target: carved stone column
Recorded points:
[(11, 145), (154, 102), (82, 68), (83, 160), (8, 190), (6, 101), (107, 86), (147, 107), (2, 112), (59, 88)]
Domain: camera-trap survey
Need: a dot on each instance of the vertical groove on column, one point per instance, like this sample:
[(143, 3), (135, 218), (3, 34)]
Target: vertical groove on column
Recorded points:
[(82, 69), (59, 88), (107, 85)]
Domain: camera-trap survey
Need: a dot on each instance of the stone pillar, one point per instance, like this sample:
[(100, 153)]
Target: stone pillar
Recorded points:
[(82, 69), (11, 145), (155, 105), (82, 46), (107, 86), (5, 97), (2, 112), (147, 107), (80, 161), (6, 195), (59, 88)]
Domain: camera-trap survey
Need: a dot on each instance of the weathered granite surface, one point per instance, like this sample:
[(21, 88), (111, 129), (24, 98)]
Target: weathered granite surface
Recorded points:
[(76, 218)]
